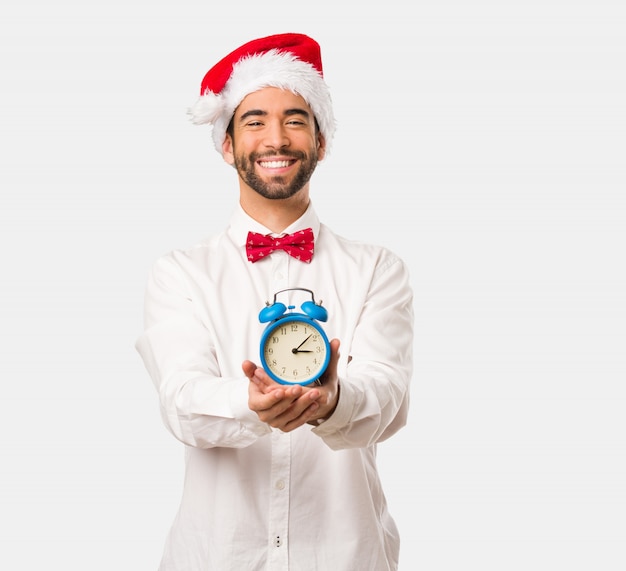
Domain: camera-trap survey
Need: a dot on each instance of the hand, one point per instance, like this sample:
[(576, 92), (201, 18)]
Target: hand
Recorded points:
[(288, 407), (281, 406)]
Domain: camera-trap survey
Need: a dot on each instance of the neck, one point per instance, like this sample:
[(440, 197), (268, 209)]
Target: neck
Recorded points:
[(275, 214)]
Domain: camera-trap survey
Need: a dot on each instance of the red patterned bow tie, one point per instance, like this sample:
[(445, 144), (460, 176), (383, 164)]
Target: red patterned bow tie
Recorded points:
[(299, 245)]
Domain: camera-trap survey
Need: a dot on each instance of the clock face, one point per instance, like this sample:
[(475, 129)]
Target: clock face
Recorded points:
[(295, 350)]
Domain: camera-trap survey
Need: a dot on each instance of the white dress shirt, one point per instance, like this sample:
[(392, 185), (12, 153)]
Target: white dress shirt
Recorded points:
[(255, 498)]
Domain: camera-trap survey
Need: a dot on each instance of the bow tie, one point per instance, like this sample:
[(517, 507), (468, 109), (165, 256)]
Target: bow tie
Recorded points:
[(299, 245)]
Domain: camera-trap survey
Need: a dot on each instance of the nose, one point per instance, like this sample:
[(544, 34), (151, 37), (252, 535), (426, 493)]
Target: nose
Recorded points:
[(276, 136)]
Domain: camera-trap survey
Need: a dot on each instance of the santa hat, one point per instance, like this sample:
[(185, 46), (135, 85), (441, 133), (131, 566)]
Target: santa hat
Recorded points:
[(286, 61)]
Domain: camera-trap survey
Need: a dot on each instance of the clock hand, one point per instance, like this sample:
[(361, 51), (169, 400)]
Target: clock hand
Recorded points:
[(298, 347)]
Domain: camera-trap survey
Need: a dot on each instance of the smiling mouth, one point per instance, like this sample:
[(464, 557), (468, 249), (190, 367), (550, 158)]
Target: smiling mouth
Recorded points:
[(274, 164)]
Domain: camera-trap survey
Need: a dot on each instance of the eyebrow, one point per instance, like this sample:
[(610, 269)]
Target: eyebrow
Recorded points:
[(287, 112)]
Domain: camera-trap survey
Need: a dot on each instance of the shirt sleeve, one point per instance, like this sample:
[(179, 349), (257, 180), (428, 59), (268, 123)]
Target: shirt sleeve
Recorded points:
[(198, 406), (375, 384)]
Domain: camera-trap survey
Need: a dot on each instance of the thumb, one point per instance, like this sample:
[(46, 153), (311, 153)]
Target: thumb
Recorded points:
[(334, 355)]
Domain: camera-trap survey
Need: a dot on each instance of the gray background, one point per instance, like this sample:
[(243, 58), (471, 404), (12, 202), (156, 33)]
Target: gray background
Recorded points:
[(483, 141)]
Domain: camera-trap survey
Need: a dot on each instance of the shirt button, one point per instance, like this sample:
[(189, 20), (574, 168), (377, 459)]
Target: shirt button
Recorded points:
[(279, 276), (280, 484)]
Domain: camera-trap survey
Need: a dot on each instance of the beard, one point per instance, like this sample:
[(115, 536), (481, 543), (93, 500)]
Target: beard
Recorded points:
[(276, 187)]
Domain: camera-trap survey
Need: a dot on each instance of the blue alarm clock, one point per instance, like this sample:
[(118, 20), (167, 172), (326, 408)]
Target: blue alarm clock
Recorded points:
[(294, 348)]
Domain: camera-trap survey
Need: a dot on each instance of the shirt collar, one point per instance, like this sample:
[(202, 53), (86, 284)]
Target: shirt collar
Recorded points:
[(241, 223)]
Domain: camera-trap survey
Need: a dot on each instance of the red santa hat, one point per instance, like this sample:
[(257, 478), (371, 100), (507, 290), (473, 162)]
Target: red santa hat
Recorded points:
[(286, 61)]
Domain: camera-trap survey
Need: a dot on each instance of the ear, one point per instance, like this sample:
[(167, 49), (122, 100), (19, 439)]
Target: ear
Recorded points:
[(321, 146), (228, 151)]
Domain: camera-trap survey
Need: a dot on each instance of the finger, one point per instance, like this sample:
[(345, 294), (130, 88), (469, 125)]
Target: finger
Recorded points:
[(334, 352), (264, 381), (331, 370), (296, 408), (291, 422), (278, 405), (248, 368), (268, 409)]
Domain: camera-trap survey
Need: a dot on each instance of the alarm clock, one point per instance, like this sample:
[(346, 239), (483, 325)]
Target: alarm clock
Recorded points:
[(294, 347)]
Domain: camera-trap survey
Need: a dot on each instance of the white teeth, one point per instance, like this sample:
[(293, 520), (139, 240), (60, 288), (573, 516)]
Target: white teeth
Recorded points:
[(274, 164)]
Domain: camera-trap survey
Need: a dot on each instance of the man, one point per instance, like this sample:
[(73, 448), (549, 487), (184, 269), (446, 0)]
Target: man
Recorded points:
[(279, 475)]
